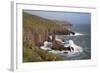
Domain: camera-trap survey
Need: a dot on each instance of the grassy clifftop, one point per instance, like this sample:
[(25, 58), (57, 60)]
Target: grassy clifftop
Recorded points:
[(36, 21)]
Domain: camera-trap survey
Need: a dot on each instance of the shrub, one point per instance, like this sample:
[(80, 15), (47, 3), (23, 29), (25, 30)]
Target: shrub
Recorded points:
[(30, 56)]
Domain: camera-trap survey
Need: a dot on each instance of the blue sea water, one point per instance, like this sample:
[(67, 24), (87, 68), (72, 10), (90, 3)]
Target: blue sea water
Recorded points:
[(84, 41)]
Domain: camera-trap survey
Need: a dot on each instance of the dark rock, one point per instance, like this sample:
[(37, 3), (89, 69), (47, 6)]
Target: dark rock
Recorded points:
[(59, 46), (71, 32), (65, 52), (69, 48)]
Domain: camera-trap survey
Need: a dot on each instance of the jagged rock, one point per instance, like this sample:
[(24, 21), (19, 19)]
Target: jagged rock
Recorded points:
[(59, 46)]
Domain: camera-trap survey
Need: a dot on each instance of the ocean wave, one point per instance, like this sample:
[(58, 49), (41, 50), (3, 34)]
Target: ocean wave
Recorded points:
[(77, 49)]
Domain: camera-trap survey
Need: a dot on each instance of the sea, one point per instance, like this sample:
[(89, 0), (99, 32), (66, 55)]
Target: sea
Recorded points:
[(81, 38)]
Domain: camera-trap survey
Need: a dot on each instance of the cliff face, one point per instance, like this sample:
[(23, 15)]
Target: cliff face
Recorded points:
[(36, 30)]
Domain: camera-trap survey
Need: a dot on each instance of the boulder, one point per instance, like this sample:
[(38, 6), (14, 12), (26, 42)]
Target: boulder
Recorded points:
[(59, 46)]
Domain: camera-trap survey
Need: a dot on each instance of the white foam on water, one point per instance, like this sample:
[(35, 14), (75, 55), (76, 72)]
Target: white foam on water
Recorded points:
[(72, 53), (76, 34), (76, 51), (58, 52), (76, 48), (47, 46)]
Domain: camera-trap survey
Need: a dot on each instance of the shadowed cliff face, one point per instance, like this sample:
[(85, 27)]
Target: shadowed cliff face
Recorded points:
[(37, 30)]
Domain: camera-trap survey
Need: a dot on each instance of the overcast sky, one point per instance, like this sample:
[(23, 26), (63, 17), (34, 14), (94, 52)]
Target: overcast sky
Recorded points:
[(72, 17)]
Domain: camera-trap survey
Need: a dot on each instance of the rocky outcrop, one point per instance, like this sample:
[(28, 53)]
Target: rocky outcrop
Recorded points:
[(59, 46)]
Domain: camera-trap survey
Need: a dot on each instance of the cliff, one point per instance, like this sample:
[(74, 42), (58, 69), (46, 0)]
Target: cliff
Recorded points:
[(36, 30)]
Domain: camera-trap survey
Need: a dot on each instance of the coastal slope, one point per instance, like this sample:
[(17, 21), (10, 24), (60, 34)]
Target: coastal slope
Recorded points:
[(36, 30)]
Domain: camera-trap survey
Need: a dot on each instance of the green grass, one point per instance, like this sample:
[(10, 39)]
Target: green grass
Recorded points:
[(37, 55), (30, 56)]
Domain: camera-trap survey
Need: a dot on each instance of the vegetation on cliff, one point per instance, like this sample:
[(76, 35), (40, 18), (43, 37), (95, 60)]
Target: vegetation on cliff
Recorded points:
[(32, 53), (36, 30)]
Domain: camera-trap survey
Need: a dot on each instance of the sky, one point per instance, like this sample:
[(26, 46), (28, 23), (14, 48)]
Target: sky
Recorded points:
[(74, 18)]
